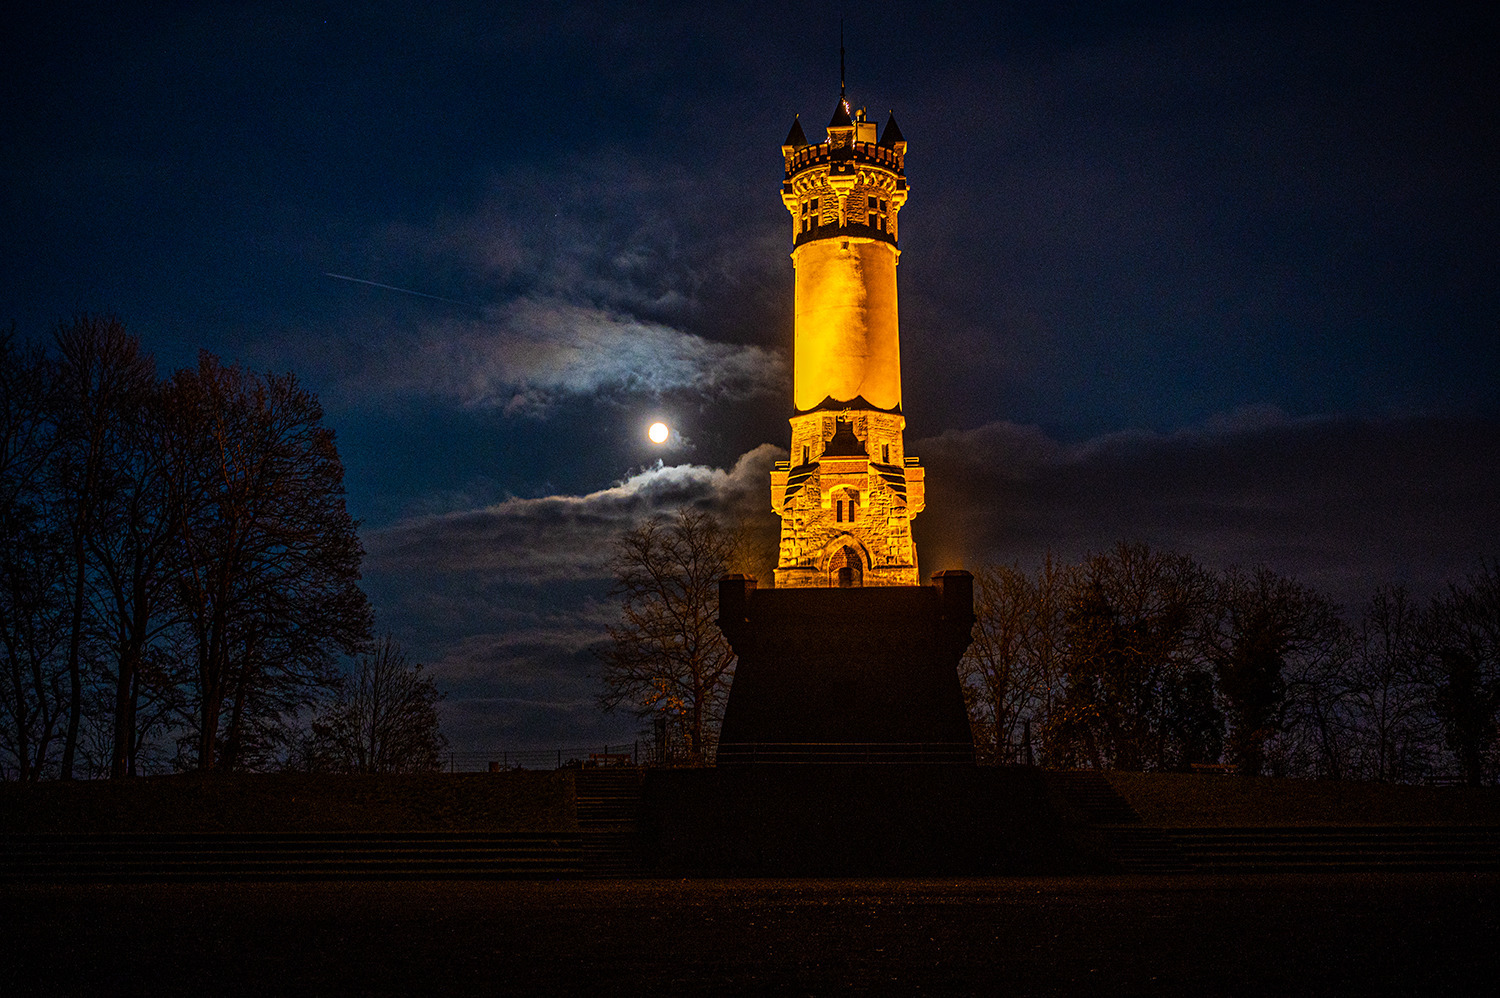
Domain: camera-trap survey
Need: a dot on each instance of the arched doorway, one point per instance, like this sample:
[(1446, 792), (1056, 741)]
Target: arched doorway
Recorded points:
[(848, 569)]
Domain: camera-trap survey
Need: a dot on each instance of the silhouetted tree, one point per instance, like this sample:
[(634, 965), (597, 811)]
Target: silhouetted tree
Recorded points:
[(1135, 696), (136, 522), (33, 566), (1318, 736), (667, 657), (1260, 621), (1010, 670), (1140, 659), (267, 559), (994, 666), (383, 718), (101, 377), (1463, 670), (1390, 722)]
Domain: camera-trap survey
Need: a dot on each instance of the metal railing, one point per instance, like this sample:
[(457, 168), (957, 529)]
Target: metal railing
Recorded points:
[(638, 753), (644, 753), (807, 753)]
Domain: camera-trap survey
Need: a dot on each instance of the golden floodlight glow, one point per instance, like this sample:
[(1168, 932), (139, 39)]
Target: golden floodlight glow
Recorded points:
[(658, 433), (848, 491)]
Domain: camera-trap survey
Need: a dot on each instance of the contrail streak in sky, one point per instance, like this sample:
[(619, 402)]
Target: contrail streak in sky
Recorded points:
[(405, 291)]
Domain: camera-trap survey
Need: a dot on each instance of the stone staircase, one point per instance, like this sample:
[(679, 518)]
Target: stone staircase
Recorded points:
[(1134, 847), (1088, 792), (609, 809), (607, 844), (1314, 849), (1138, 848), (299, 856)]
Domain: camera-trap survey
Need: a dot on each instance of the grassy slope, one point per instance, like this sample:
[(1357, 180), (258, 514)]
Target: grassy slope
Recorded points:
[(1192, 800), (294, 802)]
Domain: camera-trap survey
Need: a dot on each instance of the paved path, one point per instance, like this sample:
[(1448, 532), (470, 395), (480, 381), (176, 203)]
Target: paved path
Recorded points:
[(1246, 935)]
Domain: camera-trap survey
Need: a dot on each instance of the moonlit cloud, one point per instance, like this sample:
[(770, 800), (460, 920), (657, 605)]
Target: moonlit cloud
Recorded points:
[(531, 353), (591, 288), (564, 537)]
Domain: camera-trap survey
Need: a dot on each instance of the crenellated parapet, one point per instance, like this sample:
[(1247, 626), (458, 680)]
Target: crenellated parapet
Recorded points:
[(851, 185)]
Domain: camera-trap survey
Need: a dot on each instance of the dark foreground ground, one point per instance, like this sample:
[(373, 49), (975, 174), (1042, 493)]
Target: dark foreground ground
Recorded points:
[(1314, 934)]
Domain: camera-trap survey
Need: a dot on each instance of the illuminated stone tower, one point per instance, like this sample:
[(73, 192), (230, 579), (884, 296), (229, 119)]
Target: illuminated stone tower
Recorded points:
[(847, 495), (850, 658)]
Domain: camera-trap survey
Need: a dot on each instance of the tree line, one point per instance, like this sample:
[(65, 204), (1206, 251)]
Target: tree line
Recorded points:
[(179, 573), (1133, 658), (1143, 659)]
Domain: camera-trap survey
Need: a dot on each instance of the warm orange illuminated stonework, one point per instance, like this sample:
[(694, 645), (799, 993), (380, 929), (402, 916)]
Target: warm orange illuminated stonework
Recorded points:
[(847, 496)]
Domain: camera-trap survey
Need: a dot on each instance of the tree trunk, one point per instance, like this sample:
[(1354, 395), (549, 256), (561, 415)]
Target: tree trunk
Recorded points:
[(212, 699), (122, 756), (75, 669), (18, 711), (119, 758), (230, 753)]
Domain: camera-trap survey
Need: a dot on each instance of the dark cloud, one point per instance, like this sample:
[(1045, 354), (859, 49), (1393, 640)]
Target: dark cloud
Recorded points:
[(613, 228), (1343, 504)]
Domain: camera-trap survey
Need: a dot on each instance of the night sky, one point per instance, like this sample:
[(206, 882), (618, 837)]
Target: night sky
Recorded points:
[(1219, 277)]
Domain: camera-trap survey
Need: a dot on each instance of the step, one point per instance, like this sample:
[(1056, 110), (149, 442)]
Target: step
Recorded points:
[(1091, 793), (1372, 847), (611, 853), (300, 856), (1138, 849)]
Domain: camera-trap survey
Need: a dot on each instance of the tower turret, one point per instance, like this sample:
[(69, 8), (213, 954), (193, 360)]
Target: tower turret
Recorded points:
[(848, 493)]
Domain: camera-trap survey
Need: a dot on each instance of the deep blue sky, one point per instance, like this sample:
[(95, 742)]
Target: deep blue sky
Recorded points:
[(1218, 276)]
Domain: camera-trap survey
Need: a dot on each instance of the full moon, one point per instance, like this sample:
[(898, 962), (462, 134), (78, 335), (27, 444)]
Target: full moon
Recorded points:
[(658, 433)]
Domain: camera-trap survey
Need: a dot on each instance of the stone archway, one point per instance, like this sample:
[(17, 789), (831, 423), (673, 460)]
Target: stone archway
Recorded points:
[(847, 570)]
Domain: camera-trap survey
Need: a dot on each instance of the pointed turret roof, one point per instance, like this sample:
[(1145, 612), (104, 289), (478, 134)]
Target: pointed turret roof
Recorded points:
[(892, 133), (841, 117), (796, 138)]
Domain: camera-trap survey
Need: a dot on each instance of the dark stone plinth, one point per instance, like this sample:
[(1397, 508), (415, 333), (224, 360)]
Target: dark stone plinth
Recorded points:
[(847, 675)]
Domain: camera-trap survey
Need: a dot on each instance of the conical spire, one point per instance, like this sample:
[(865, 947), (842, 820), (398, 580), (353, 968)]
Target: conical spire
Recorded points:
[(796, 138), (841, 117), (892, 133)]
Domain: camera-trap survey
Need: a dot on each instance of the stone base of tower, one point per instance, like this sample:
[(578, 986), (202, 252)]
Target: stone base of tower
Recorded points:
[(847, 675)]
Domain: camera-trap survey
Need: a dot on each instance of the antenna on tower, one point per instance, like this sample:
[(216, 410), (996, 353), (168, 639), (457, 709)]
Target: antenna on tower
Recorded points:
[(841, 57)]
